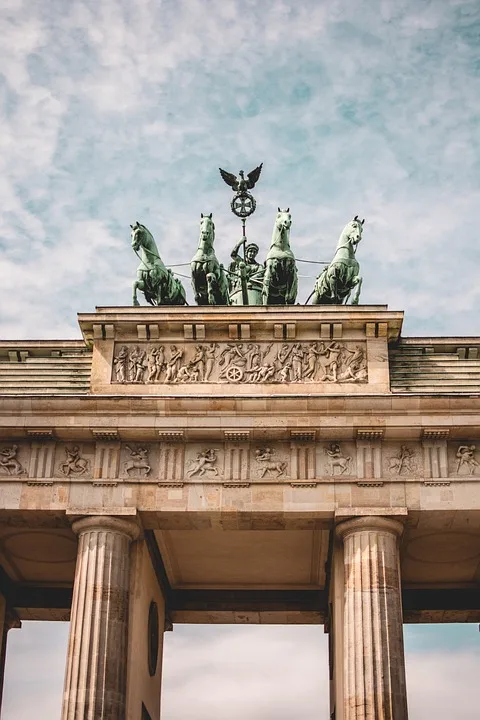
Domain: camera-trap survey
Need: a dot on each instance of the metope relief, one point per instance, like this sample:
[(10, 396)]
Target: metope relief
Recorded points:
[(73, 464), (240, 362), (137, 463), (9, 462), (338, 461), (465, 460), (405, 461), (204, 464), (268, 464)]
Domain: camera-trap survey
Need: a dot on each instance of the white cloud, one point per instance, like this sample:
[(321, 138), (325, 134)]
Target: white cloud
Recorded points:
[(259, 672)]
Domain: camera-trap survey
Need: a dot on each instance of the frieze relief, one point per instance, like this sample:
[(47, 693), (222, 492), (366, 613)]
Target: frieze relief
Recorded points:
[(226, 461), (240, 362)]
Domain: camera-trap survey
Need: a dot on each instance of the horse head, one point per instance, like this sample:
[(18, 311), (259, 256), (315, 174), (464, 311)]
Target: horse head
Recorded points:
[(138, 235), (353, 231), (283, 220), (207, 227)]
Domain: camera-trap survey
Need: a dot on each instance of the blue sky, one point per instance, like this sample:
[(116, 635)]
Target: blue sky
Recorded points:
[(113, 112), (116, 111)]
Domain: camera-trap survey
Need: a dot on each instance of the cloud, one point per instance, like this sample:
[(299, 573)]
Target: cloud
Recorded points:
[(259, 672)]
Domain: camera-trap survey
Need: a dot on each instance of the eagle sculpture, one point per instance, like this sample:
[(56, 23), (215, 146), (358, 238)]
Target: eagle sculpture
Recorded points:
[(242, 183)]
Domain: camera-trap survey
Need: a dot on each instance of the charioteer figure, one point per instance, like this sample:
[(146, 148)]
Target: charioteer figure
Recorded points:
[(250, 270)]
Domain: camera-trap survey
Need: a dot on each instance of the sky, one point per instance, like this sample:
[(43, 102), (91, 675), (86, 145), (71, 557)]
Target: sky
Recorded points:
[(117, 111)]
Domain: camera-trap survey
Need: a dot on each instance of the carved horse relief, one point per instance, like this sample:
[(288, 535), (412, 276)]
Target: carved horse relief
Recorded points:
[(336, 282), (280, 281), (156, 281), (208, 277)]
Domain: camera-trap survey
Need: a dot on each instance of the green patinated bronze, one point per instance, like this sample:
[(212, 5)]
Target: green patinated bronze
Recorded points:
[(280, 281), (209, 281), (337, 281), (156, 281), (245, 277)]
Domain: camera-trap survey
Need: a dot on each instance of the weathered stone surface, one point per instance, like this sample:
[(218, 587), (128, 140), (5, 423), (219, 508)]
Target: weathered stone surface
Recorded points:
[(374, 663), (95, 682)]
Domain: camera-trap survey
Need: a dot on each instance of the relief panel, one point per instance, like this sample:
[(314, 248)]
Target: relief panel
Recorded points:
[(14, 459), (74, 460), (464, 459), (240, 362)]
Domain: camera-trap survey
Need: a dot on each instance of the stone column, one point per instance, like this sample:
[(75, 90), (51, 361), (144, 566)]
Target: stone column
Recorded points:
[(8, 620), (374, 663), (95, 681)]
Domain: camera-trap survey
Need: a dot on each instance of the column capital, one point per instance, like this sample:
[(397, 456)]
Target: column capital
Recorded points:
[(110, 523), (376, 523)]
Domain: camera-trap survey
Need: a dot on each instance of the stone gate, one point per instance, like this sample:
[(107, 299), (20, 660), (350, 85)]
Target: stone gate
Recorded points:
[(238, 465)]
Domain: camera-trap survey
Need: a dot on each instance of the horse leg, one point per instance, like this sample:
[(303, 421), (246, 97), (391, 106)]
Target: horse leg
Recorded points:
[(358, 283), (137, 285)]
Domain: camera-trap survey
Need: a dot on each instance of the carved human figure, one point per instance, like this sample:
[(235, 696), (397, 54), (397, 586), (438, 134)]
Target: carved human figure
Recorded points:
[(336, 459), (297, 362), (9, 462), (264, 456), (283, 354), (138, 461), (156, 363), (197, 363), (204, 463), (331, 366), (74, 464), (173, 363), (466, 458), (120, 363), (312, 354), (266, 373), (183, 374), (137, 364), (285, 373), (402, 462), (354, 368), (210, 352), (232, 355)]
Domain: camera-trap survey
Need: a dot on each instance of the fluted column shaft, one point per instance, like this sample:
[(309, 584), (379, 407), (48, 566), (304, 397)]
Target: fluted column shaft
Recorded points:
[(95, 680), (374, 662)]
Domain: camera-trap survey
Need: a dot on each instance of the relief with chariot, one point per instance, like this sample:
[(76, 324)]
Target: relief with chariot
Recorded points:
[(240, 362)]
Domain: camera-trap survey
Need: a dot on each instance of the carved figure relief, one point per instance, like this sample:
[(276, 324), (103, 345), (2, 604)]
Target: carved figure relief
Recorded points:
[(467, 464), (268, 464), (403, 463), (120, 364), (137, 364), (9, 463), (74, 464), (337, 463), (238, 362), (138, 461), (204, 464)]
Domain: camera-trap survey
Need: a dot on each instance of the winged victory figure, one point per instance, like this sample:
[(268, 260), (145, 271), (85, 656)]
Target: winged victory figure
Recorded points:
[(242, 183)]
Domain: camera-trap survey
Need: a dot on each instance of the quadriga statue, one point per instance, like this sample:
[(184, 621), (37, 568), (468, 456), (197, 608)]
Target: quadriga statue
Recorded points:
[(336, 282), (156, 281)]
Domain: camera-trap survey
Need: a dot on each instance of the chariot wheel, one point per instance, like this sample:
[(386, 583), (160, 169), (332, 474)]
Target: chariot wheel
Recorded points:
[(234, 374)]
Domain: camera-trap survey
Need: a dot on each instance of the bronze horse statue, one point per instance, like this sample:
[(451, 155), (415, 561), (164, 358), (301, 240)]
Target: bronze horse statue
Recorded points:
[(280, 281), (336, 282), (156, 281), (209, 280)]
